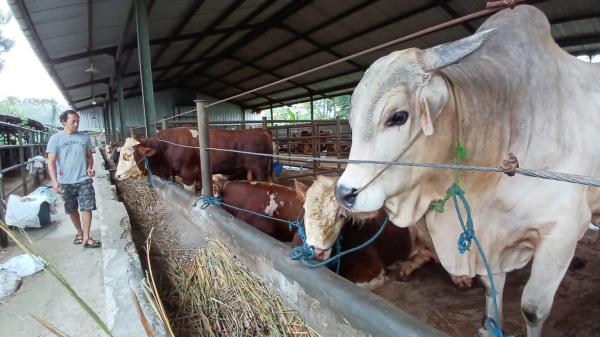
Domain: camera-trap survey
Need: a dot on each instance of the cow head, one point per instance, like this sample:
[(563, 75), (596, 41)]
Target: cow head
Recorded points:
[(399, 97), (127, 164), (323, 217)]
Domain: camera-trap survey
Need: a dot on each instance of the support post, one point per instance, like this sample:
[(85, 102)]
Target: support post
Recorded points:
[(106, 127), (164, 124), (115, 116), (141, 16), (21, 161), (2, 183), (36, 176), (120, 100), (204, 141), (243, 119), (338, 147), (315, 150), (264, 123)]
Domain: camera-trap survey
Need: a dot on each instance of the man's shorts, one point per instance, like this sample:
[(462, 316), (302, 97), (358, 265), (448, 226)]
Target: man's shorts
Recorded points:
[(81, 194)]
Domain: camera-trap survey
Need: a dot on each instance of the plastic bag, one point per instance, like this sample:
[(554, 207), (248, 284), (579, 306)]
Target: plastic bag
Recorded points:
[(9, 283), (23, 265)]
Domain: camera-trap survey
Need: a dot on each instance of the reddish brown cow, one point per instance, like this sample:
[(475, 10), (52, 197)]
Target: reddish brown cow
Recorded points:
[(173, 152), (274, 200)]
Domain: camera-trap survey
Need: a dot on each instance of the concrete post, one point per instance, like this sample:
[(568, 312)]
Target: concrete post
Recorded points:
[(204, 142), (145, 62)]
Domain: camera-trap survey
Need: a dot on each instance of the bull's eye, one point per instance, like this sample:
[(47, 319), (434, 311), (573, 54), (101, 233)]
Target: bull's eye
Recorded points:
[(398, 118)]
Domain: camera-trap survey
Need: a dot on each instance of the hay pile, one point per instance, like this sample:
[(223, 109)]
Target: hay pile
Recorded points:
[(217, 296)]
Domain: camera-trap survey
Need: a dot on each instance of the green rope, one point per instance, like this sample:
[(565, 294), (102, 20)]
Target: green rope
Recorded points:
[(439, 204)]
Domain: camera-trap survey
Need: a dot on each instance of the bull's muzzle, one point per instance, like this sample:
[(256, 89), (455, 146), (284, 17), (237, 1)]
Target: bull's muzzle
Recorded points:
[(345, 195)]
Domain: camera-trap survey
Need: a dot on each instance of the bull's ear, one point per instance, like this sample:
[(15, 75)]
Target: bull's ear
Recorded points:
[(145, 151), (300, 187), (432, 99), (449, 53)]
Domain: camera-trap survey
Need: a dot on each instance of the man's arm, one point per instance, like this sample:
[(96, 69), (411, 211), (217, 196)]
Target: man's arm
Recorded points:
[(90, 164), (90, 160), (52, 171)]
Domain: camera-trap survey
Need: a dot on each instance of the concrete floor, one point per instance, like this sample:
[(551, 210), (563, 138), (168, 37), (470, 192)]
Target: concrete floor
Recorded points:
[(42, 296), (102, 277)]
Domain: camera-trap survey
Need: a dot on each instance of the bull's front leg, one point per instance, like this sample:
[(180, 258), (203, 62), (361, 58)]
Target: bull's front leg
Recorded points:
[(550, 263), (499, 280)]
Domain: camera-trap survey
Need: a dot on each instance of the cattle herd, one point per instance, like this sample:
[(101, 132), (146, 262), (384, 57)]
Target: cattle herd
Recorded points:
[(494, 92)]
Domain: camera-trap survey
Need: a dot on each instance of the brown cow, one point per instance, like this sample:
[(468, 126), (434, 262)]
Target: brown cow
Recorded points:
[(172, 152), (274, 200)]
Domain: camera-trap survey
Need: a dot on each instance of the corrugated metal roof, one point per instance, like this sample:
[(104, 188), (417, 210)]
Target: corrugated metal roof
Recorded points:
[(221, 48)]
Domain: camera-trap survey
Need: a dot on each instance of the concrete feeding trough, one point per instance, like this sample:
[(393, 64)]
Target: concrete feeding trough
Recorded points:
[(330, 304)]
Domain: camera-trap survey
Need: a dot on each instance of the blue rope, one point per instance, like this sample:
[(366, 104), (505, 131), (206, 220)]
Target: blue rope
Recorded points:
[(147, 165), (305, 252), (207, 201), (297, 254), (464, 244), (299, 251)]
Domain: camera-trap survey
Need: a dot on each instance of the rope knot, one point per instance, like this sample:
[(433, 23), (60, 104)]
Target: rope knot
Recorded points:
[(510, 165), (303, 252), (207, 201), (464, 241)]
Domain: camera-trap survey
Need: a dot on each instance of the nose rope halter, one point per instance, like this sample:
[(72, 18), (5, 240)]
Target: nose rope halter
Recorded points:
[(420, 132)]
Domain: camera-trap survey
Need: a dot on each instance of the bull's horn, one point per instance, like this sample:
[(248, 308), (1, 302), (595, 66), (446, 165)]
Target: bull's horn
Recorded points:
[(449, 53)]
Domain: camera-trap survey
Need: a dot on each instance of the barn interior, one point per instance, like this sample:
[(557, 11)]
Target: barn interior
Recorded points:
[(133, 67)]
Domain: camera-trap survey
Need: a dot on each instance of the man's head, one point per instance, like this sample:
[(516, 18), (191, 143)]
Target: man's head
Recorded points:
[(70, 120)]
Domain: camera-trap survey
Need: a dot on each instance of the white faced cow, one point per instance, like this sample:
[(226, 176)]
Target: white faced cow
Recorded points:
[(508, 88)]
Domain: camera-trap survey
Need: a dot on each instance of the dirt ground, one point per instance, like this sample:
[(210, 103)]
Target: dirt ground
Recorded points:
[(431, 296)]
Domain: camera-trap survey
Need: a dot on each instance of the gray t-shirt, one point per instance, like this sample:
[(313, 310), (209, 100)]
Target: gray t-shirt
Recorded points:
[(71, 156)]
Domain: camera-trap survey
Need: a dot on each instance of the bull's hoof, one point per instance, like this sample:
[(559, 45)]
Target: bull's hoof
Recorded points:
[(462, 282)]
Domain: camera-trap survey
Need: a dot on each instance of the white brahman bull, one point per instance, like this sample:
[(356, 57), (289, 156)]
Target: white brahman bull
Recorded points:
[(507, 88)]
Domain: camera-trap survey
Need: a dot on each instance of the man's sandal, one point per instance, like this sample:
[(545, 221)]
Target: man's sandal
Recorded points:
[(91, 243), (78, 239)]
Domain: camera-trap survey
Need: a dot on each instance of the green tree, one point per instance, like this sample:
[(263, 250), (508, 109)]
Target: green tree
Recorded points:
[(5, 43)]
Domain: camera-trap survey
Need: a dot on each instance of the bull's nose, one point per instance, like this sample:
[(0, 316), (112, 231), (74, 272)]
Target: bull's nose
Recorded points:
[(345, 195)]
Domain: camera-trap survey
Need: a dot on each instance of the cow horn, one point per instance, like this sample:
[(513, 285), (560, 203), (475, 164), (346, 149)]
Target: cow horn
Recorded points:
[(449, 53)]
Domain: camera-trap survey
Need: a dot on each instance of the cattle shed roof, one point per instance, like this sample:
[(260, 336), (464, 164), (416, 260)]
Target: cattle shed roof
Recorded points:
[(226, 47)]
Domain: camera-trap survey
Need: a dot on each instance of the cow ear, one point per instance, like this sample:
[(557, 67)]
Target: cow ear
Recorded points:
[(433, 97), (449, 53), (300, 187), (145, 151)]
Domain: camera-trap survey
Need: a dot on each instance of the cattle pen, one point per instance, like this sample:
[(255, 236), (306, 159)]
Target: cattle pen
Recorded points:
[(193, 70)]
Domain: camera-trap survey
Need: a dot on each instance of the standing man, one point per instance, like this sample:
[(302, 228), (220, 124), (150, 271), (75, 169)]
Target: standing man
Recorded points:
[(70, 153)]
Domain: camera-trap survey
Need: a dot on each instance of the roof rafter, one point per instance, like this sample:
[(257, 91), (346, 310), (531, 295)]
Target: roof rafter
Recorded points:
[(216, 22), (341, 15), (350, 37), (276, 18)]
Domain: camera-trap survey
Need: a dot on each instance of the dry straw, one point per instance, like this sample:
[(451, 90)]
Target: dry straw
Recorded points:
[(217, 296)]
